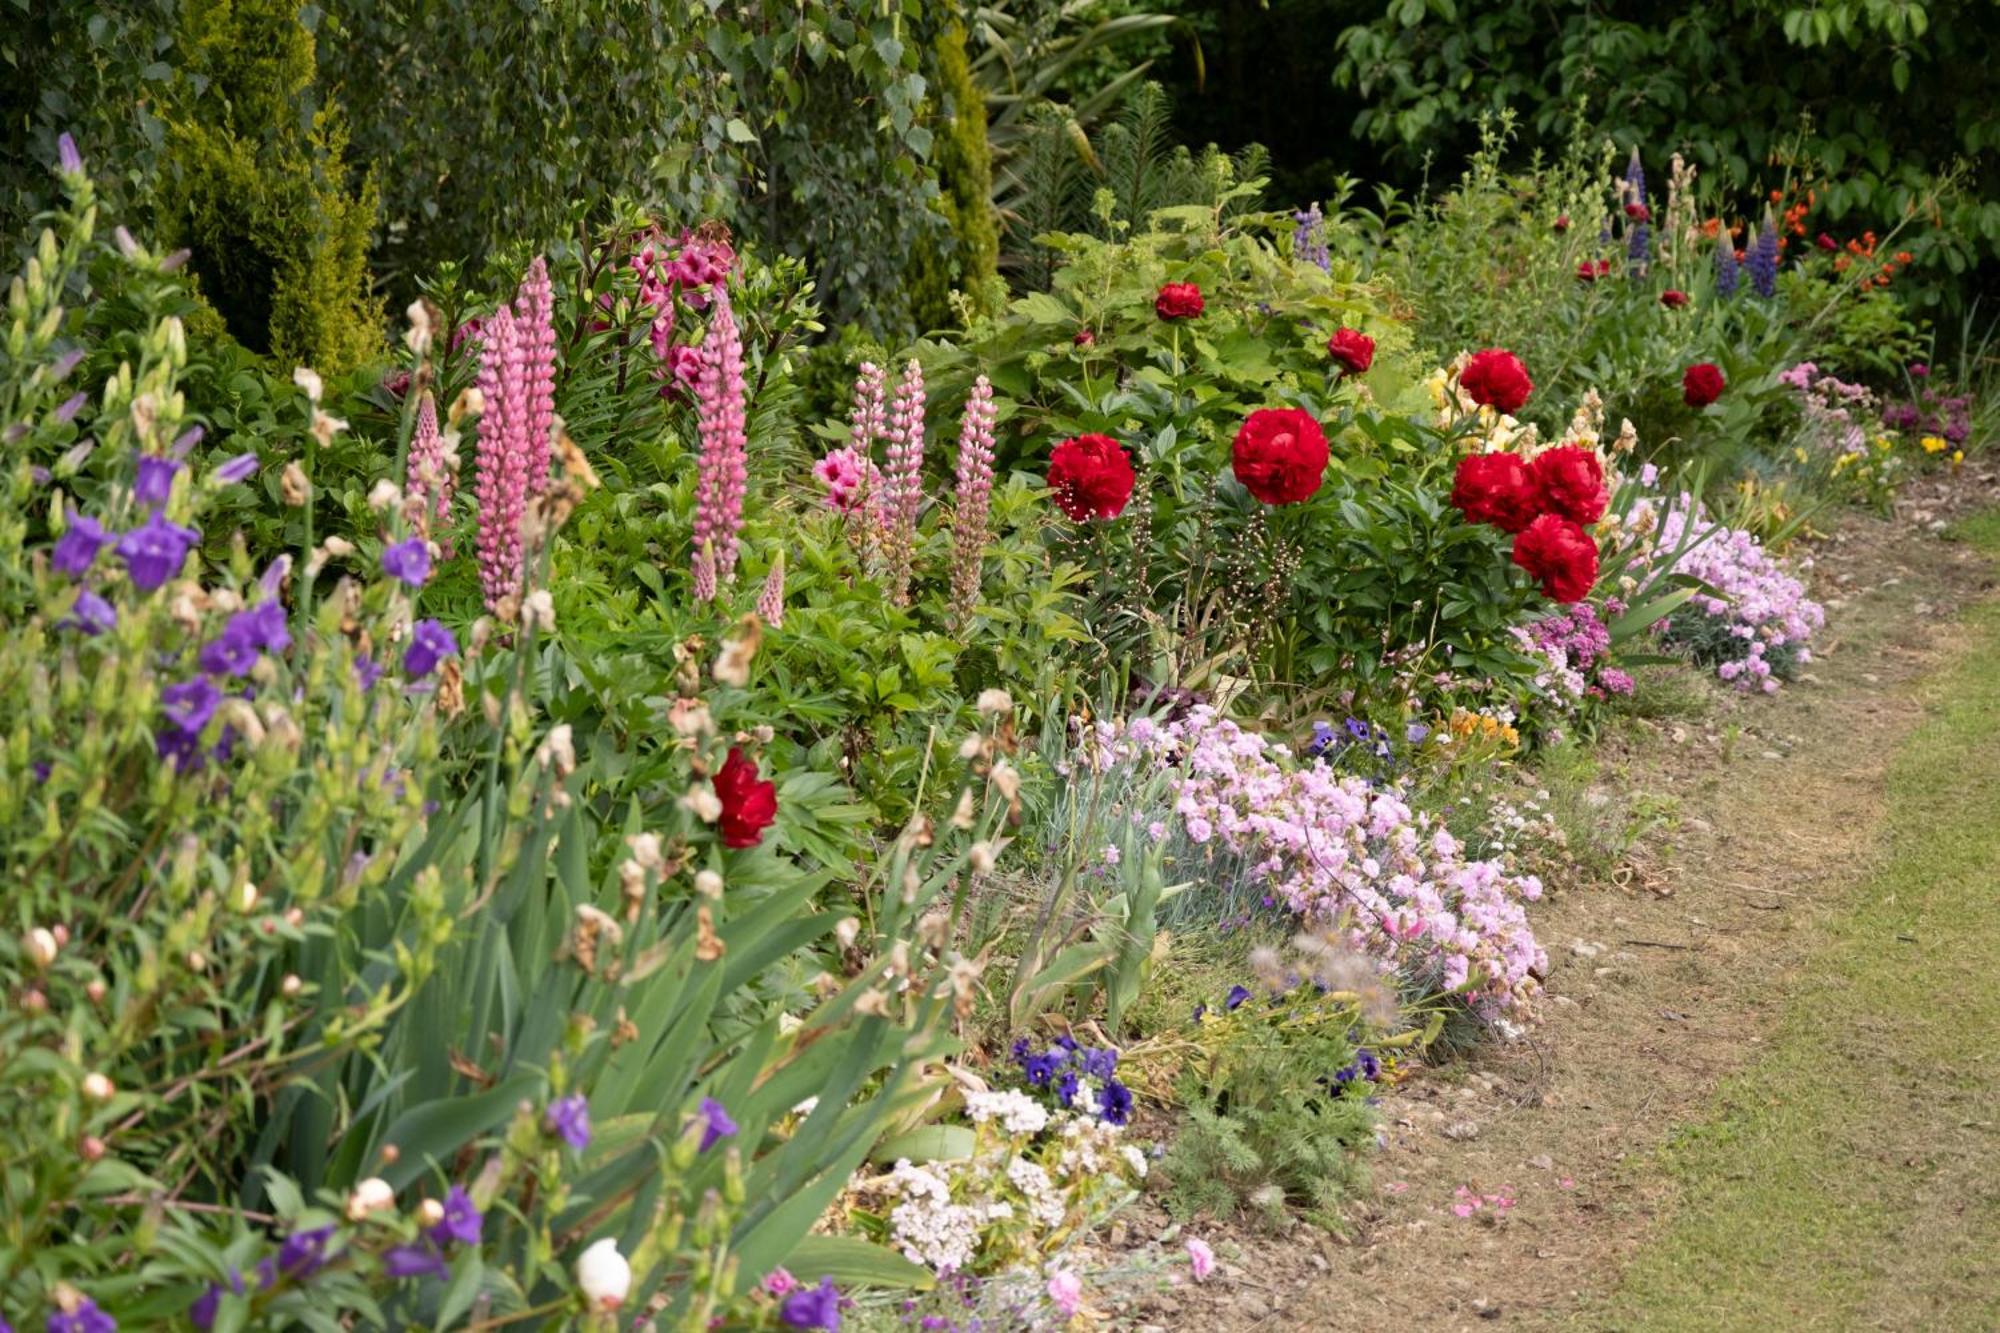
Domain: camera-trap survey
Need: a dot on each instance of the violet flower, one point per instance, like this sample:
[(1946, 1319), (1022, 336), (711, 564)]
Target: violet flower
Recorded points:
[(304, 1252), (154, 551), (156, 480), (86, 1318), (1762, 259), (462, 1222), (718, 1126), (71, 406), (76, 550), (408, 560), (569, 1119), (240, 468), (430, 643), (414, 1261), (92, 614), (812, 1307)]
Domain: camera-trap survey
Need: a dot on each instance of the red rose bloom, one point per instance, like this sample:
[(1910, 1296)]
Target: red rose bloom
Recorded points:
[(1178, 300), (748, 805), (1090, 477), (1353, 350), (1673, 298), (1570, 482), (1702, 384), (1497, 489), (1280, 455), (1496, 378), (1561, 556), (1827, 242)]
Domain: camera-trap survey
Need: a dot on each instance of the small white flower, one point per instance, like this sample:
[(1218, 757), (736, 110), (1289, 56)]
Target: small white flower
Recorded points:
[(994, 703), (703, 802), (310, 381), (603, 1275), (97, 1087), (372, 1195), (539, 611), (42, 946)]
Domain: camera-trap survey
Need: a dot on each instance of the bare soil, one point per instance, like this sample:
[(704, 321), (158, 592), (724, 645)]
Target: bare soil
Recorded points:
[(1662, 982)]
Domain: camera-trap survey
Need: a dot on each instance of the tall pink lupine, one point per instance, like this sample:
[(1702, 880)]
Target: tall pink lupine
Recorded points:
[(974, 494), (771, 602), (905, 482), (723, 469), (501, 486), (704, 572), (867, 420), (535, 319), (428, 473)]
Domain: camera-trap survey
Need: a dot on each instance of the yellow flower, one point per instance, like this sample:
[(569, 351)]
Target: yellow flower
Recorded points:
[(1934, 444), (1799, 454)]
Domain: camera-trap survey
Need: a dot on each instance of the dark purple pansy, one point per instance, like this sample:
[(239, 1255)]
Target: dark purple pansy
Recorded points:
[(1237, 995)]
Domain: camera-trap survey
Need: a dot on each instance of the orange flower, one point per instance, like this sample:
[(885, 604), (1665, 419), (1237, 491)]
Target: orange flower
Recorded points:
[(1840, 264), (1776, 195), (1902, 256)]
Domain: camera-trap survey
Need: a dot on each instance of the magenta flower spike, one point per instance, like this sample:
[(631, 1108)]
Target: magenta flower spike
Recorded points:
[(428, 474), (723, 466), (501, 486), (535, 320)]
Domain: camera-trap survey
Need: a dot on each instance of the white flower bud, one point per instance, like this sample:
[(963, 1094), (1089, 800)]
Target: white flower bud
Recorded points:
[(994, 703), (310, 382), (370, 1196), (539, 611), (429, 1213), (246, 897), (702, 800), (708, 884), (42, 947), (97, 1087), (603, 1275), (291, 985)]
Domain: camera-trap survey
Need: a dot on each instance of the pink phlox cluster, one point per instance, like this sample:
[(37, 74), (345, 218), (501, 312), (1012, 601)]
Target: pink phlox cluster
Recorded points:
[(1759, 602), (974, 493), (722, 474), (1832, 411), (1335, 848), (1575, 644)]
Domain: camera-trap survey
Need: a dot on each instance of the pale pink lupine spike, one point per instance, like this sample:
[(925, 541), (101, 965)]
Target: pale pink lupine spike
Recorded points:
[(771, 602), (535, 316), (429, 472), (501, 486), (974, 494), (868, 421), (704, 572), (905, 482), (723, 468)]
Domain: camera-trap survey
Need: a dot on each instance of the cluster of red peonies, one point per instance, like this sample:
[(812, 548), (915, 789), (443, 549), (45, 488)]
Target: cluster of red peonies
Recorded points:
[(1178, 300), (1090, 477), (1546, 505), (749, 805), (1280, 455), (1673, 298), (1702, 384), (1497, 379), (1352, 350)]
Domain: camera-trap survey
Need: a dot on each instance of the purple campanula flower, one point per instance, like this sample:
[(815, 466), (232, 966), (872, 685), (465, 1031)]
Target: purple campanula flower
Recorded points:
[(812, 1307), (68, 160), (60, 368), (304, 1252), (240, 468), (569, 1118), (77, 548), (156, 480), (92, 614), (430, 643), (234, 651), (266, 625), (366, 672), (414, 1261), (202, 1313), (190, 704), (1237, 995), (86, 1318), (719, 1125), (462, 1223), (1115, 1103), (154, 551), (409, 561), (274, 575), (185, 442), (71, 406)]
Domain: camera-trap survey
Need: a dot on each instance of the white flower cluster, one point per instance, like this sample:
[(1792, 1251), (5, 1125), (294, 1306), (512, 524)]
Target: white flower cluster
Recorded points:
[(929, 1228), (1044, 1201), (1017, 1112)]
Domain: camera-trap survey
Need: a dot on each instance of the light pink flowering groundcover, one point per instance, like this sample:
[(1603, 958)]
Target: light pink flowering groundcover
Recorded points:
[(1335, 848)]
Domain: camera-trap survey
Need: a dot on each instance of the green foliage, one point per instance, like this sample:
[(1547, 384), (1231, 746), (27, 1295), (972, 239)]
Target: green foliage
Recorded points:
[(965, 176), (1269, 1128), (256, 187), (1755, 90)]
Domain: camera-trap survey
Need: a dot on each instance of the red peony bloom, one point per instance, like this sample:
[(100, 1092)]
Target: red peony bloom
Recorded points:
[(1497, 489), (1561, 556), (1827, 242), (1353, 350), (1178, 300), (1496, 378), (1673, 298), (1589, 272), (1083, 337), (1570, 482), (1280, 455), (1562, 223), (749, 806), (1702, 384), (1090, 477)]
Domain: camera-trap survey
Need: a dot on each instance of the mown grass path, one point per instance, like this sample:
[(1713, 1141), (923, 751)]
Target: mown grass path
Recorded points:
[(1850, 1177)]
